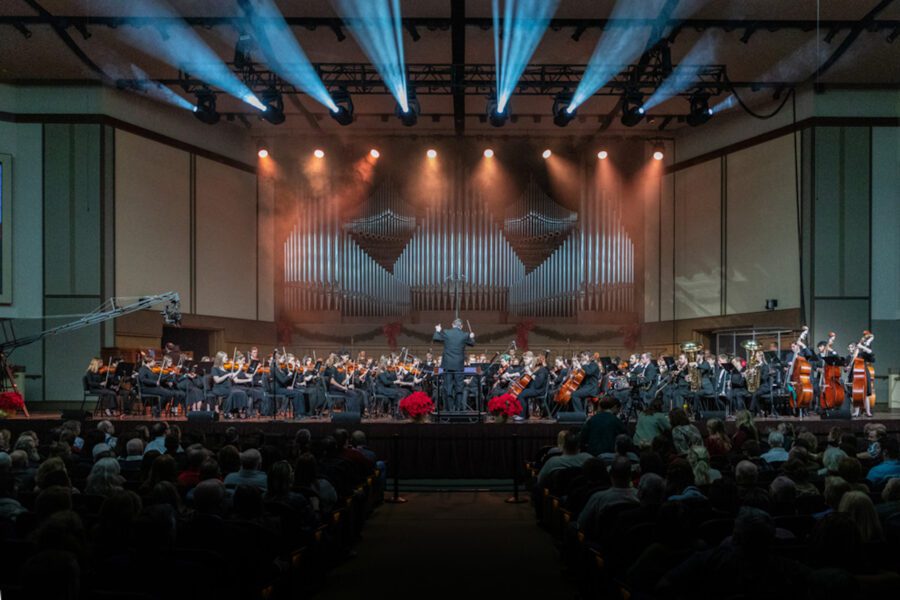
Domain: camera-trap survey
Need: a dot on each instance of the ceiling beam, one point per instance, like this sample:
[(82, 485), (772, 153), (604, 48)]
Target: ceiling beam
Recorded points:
[(458, 58), (63, 35), (864, 24)]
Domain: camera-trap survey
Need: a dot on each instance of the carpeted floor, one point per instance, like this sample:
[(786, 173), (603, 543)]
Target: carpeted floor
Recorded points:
[(451, 545)]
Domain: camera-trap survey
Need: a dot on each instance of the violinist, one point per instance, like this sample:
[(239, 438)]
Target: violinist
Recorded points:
[(99, 380), (590, 385), (234, 400), (338, 384), (284, 379), (244, 380), (385, 383), (151, 383), (191, 384), (536, 366), (505, 373), (471, 385)]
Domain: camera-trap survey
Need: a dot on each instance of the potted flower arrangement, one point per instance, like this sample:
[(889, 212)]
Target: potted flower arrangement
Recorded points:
[(417, 406), (503, 407)]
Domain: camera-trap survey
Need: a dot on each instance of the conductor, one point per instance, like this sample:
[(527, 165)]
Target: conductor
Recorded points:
[(455, 341)]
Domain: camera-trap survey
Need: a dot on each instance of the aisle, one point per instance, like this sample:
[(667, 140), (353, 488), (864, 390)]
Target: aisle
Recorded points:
[(451, 545)]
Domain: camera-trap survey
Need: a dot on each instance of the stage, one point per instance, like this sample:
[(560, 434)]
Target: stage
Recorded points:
[(423, 450)]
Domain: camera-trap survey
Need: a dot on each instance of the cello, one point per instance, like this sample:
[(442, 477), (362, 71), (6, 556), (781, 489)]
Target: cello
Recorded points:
[(570, 386), (800, 377), (859, 369), (833, 393)]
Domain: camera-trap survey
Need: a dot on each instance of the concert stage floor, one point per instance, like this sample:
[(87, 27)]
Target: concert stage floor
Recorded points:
[(427, 450)]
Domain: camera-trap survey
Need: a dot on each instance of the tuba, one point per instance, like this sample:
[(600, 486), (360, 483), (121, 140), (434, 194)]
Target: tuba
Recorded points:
[(691, 349), (753, 374)]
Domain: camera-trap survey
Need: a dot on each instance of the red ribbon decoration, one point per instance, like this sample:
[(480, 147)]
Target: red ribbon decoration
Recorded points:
[(391, 331), (523, 328)]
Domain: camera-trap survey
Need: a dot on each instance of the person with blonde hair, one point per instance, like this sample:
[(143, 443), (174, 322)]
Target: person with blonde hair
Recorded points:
[(104, 478), (97, 380), (698, 457), (861, 510)]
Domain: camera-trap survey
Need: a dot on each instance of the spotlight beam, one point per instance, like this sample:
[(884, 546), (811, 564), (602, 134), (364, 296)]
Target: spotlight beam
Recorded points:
[(378, 28), (861, 26), (289, 61)]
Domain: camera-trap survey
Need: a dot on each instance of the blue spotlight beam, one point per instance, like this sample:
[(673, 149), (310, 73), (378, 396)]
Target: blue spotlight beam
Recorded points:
[(522, 27), (182, 48), (157, 90), (685, 74), (283, 51), (377, 27)]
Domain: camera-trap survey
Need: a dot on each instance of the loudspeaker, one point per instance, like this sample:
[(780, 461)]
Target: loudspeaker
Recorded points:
[(713, 414), (838, 413), (202, 416), (346, 419), (75, 415), (571, 417)]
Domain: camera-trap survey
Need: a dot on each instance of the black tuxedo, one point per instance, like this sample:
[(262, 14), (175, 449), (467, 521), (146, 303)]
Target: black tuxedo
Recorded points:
[(453, 361)]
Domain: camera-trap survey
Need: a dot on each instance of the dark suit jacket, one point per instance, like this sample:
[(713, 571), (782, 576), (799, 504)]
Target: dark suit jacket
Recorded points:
[(455, 342)]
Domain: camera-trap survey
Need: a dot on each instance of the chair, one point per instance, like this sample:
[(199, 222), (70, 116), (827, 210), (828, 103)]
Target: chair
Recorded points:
[(143, 398), (379, 400), (87, 393), (329, 397)]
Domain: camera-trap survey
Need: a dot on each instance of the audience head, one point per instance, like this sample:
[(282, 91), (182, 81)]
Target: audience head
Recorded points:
[(305, 470), (303, 439), (358, 439), (623, 444), (678, 418), (209, 469), (134, 447), (783, 490), (835, 488), (746, 473), (159, 429), (850, 469), (715, 427), (859, 507), (698, 458), (891, 491), (679, 476), (341, 438), (651, 489), (166, 493), (104, 477), (776, 439), (251, 459), (101, 451), (164, 469), (52, 472), (620, 472), (280, 479), (754, 531), (831, 459), (52, 500), (208, 496), (229, 459), (571, 444), (652, 462)]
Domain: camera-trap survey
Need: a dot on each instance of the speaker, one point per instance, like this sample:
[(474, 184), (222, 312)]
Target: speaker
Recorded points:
[(201, 416), (837, 414), (712, 414), (345, 419), (571, 417), (75, 415)]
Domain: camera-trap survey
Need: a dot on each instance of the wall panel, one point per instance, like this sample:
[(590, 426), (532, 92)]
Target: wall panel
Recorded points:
[(153, 218), (698, 240), (226, 249), (667, 249), (886, 223), (761, 245), (652, 255), (266, 259)]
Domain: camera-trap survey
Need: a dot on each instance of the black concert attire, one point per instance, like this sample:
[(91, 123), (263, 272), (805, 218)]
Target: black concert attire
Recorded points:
[(678, 388), (234, 399), (590, 386), (151, 385), (647, 381), (762, 398), (352, 399), (471, 389), (191, 385), (453, 361), (284, 386), (385, 385), (737, 392), (95, 383), (536, 389), (258, 401)]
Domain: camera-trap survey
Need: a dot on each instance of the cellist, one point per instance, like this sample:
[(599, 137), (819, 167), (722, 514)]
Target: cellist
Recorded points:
[(863, 351), (536, 366)]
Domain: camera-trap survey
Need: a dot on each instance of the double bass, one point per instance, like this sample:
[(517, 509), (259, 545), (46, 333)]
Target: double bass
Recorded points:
[(800, 377), (833, 393), (860, 372)]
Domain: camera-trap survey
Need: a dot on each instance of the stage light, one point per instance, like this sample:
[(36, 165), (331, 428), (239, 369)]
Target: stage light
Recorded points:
[(563, 110), (374, 153), (242, 51), (344, 105), (547, 153), (273, 107), (432, 153), (409, 116), (603, 155), (700, 110), (206, 108), (632, 111), (488, 153), (496, 117), (263, 153), (318, 153), (659, 151)]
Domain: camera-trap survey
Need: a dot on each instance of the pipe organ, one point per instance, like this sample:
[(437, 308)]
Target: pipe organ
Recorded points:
[(540, 260)]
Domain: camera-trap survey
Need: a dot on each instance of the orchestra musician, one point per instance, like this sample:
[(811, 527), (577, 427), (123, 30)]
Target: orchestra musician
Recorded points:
[(153, 384), (234, 400), (647, 378), (246, 380), (339, 385), (861, 350), (385, 384), (103, 384), (536, 366), (737, 393), (590, 385)]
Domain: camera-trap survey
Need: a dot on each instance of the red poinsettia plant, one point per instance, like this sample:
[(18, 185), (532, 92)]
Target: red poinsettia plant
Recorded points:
[(416, 405), (506, 405)]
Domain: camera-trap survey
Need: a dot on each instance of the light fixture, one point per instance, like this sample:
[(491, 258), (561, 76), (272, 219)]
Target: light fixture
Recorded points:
[(205, 110), (262, 153), (562, 115), (274, 106), (496, 117), (319, 153), (432, 153), (374, 153), (242, 52), (603, 155), (700, 110), (547, 153), (488, 153), (344, 113), (659, 151), (632, 110), (410, 116)]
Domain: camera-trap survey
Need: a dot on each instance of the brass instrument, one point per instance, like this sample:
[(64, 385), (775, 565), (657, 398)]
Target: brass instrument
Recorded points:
[(691, 350), (752, 374)]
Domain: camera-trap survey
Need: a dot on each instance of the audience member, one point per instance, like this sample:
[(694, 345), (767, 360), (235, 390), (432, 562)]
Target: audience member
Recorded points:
[(599, 433), (250, 473)]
